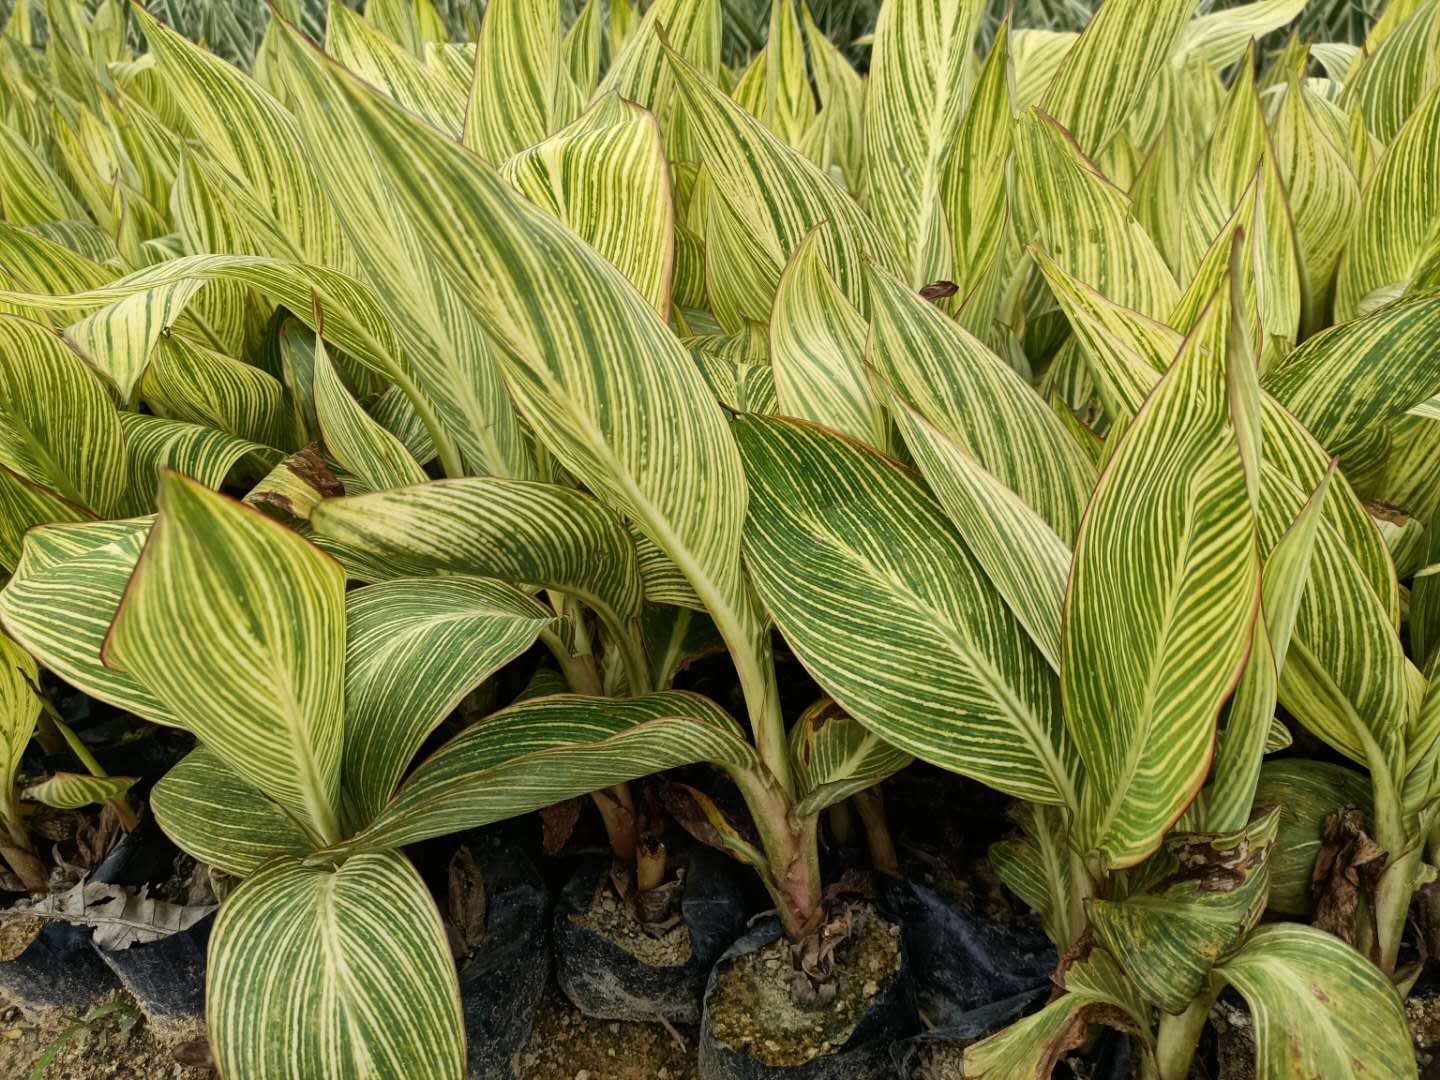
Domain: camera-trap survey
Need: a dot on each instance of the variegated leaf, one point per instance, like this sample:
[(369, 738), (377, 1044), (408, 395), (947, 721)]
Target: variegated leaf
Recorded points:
[(835, 757), (366, 931), (71, 791), (237, 625), (952, 679)]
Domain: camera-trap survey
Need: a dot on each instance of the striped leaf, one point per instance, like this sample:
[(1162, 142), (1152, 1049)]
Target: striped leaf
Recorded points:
[(1037, 867), (775, 192), (1306, 793), (519, 531), (1322, 192), (154, 445), (252, 136), (914, 104), (817, 351), (546, 750), (640, 71), (34, 263), (1162, 599), (972, 184), (1393, 226), (1218, 39), (58, 429), (355, 440), (977, 400), (603, 382), (217, 817), (838, 133), (1084, 222), (1120, 53), (1211, 893), (24, 505), (395, 69), (1097, 991), (1320, 1008), (33, 192), (892, 615), (414, 647), (835, 757), (1249, 725), (518, 78), (1397, 70), (19, 709), (605, 177), (190, 382), (1348, 380), (117, 340), (62, 597), (417, 269), (367, 932), (1020, 553), (237, 625), (71, 791)]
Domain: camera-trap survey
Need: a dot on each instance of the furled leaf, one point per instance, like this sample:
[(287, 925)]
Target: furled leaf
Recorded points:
[(154, 444), (605, 177), (977, 400), (1218, 38), (355, 440), (58, 429), (367, 932), (1306, 793), (1117, 57), (19, 709), (518, 73), (893, 616), (237, 625), (817, 351), (1037, 867), (414, 647), (1393, 226)]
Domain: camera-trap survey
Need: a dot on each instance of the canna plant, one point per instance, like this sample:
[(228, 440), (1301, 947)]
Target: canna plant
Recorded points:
[(1068, 411)]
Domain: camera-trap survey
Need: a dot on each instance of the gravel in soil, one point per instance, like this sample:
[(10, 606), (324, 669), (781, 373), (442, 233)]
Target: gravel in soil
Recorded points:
[(757, 985), (118, 1046), (937, 1061), (1423, 1013), (16, 934), (615, 921), (566, 1045)]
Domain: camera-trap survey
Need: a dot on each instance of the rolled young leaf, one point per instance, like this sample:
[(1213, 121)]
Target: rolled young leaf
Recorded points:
[(238, 625), (835, 757), (333, 973), (70, 791)]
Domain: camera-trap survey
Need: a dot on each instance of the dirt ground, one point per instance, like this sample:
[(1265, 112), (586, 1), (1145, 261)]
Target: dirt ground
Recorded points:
[(568, 1046), (120, 1045)]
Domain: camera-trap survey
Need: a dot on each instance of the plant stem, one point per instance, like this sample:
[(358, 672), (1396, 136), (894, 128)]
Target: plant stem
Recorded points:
[(1392, 906), (445, 447), (580, 672), (1180, 1035), (871, 807), (1082, 889), (791, 851), (617, 810), (128, 821)]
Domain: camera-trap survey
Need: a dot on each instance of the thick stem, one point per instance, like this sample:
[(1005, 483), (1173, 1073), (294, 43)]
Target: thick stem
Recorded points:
[(871, 806), (1180, 1035), (581, 673), (1392, 906), (791, 851), (842, 823), (762, 700), (617, 810), (651, 863), (1082, 890)]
